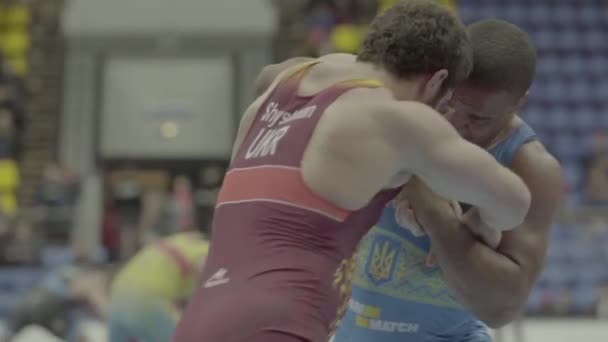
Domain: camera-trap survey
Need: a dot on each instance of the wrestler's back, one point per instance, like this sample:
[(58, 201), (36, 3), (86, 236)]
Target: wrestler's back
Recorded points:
[(283, 237)]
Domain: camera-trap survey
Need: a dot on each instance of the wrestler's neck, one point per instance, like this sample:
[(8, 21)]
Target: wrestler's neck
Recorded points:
[(403, 90)]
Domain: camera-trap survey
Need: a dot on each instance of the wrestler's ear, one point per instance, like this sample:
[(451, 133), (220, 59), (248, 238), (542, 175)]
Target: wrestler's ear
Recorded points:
[(521, 102), (434, 85)]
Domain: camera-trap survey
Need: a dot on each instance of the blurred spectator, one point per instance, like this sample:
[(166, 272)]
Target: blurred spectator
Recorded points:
[(320, 21), (59, 187), (181, 204), (210, 182), (7, 134), (64, 298), (55, 200), (25, 245), (126, 196), (12, 101), (155, 221), (110, 231), (5, 239), (146, 307), (331, 25), (602, 308)]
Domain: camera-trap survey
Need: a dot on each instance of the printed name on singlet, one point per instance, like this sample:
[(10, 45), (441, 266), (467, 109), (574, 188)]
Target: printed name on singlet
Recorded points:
[(274, 115), (268, 138)]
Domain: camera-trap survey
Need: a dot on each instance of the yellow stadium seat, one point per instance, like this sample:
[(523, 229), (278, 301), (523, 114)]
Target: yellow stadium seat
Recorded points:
[(15, 43), (9, 181), (346, 38), (384, 4), (451, 4), (18, 16)]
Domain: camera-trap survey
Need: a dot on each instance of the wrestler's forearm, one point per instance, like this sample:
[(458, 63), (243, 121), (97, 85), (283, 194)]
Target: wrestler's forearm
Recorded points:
[(485, 281)]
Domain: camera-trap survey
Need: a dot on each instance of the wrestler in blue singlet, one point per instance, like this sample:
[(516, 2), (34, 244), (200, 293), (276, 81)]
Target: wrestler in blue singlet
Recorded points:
[(396, 297)]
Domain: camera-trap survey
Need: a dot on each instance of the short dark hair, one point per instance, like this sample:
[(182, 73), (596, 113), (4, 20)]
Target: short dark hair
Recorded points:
[(418, 36), (504, 56)]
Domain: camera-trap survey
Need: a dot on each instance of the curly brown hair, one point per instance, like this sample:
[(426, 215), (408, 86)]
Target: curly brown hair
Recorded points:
[(417, 37)]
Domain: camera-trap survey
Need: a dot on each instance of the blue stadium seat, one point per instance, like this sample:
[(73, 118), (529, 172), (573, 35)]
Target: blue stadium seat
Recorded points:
[(590, 14), (562, 232), (560, 117), (556, 277), (556, 255), (583, 254), (594, 39), (573, 65), (567, 146), (590, 273), (585, 119), (57, 256), (537, 300), (545, 138), (544, 39), (584, 298), (597, 65), (574, 174), (534, 117), (8, 303), (538, 13), (488, 11), (549, 65), (467, 14), (601, 118), (600, 92), (563, 14), (14, 282), (514, 13), (580, 91), (17, 279), (567, 39)]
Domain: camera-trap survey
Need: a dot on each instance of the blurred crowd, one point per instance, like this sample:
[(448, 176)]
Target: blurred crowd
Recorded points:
[(141, 206), (316, 27), (15, 230)]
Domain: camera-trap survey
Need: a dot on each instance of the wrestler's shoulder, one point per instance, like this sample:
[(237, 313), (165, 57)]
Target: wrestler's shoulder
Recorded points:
[(378, 104), (534, 152), (338, 57), (535, 163)]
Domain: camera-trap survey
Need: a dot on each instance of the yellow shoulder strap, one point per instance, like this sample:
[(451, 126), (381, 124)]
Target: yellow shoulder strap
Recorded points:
[(301, 69), (367, 83)]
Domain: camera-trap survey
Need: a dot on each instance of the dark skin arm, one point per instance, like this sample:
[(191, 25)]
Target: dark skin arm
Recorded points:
[(494, 283)]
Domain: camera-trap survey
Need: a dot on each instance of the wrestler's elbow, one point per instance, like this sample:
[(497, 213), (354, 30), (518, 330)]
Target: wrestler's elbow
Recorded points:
[(500, 318), (522, 202), (504, 312), (519, 203)]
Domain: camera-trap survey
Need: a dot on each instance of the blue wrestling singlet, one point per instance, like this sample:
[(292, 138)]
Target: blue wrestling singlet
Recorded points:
[(395, 297)]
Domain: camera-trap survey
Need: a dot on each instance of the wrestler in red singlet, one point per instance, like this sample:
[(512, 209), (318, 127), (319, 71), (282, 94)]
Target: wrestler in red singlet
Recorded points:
[(280, 262)]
